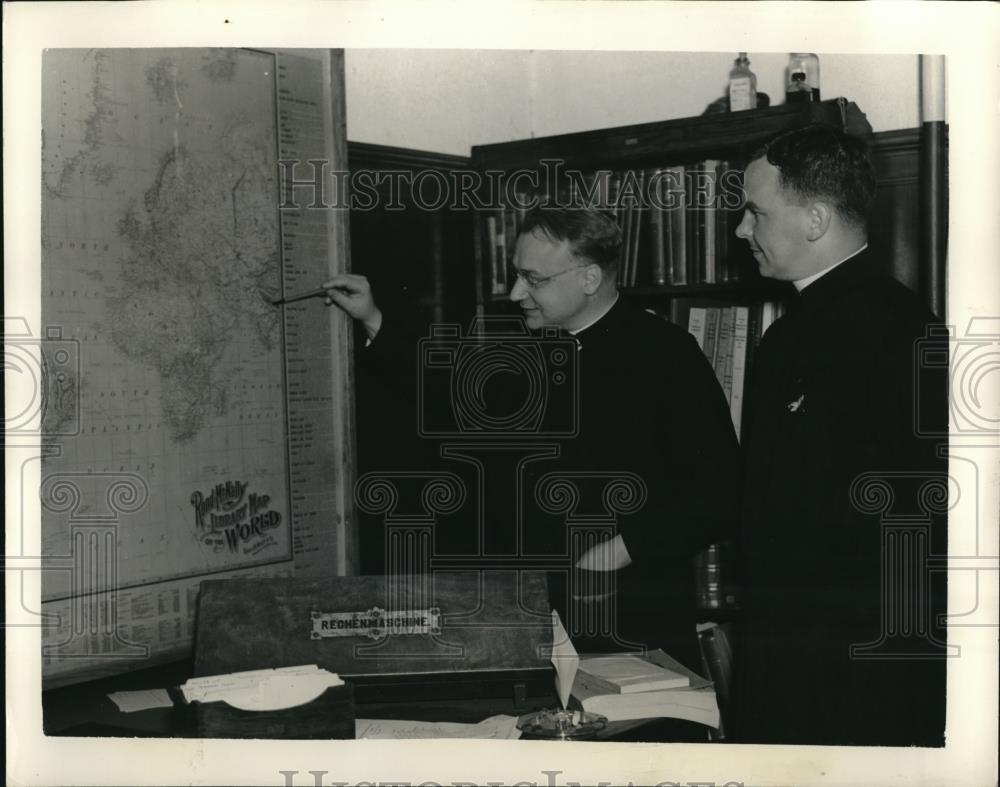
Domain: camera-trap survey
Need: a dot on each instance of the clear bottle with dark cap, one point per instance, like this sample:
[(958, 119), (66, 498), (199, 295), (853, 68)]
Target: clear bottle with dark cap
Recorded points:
[(802, 78), (742, 85)]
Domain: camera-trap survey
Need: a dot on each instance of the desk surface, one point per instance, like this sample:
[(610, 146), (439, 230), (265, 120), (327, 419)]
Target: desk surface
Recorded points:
[(84, 710)]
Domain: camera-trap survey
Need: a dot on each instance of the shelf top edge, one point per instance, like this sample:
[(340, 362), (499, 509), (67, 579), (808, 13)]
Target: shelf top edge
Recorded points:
[(692, 133)]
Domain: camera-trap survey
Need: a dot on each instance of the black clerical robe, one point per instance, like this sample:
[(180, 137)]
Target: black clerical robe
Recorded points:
[(651, 407), (654, 459), (841, 474)]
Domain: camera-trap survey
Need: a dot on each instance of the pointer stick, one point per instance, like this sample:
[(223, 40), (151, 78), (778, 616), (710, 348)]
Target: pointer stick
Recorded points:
[(320, 293)]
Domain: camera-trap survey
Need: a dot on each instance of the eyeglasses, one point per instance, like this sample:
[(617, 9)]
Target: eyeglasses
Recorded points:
[(533, 282)]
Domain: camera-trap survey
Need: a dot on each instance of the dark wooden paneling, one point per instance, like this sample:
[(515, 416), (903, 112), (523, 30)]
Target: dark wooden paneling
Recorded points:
[(418, 260), (385, 157), (420, 265), (894, 233)]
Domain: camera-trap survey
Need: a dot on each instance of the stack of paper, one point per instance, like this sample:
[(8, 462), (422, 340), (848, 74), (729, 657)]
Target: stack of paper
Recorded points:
[(267, 689), (627, 674)]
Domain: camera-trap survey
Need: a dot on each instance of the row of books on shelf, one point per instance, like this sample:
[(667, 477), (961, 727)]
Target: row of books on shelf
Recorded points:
[(681, 236), (677, 223), (728, 335), (502, 229)]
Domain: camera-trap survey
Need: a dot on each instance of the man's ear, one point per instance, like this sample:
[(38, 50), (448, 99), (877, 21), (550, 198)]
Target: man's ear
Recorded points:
[(593, 275), (818, 218)]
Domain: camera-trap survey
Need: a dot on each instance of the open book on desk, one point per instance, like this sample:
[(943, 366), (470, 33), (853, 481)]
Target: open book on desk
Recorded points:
[(695, 701), (625, 673)]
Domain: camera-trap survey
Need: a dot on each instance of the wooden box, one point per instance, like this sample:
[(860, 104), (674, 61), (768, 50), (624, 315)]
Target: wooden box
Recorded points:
[(465, 632)]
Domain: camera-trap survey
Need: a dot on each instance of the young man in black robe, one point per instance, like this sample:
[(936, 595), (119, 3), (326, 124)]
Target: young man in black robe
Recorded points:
[(839, 480), (653, 465)]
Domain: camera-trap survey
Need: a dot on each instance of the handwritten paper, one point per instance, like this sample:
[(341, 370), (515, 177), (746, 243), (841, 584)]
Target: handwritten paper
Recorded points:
[(495, 727), (132, 701), (211, 687)]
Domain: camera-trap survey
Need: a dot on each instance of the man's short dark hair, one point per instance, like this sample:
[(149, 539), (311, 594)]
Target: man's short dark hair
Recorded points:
[(592, 234), (820, 162)]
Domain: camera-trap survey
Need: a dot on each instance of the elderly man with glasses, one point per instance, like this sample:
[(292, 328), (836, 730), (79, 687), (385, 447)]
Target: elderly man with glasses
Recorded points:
[(650, 411)]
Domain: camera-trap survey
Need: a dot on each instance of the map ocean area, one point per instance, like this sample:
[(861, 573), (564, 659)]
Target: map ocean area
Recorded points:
[(161, 253)]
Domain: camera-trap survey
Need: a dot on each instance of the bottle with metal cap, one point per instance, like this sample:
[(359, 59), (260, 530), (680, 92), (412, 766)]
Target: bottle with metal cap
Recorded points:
[(802, 78), (742, 85)]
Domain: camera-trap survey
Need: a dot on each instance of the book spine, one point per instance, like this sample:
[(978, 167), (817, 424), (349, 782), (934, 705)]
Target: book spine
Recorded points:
[(678, 228), (707, 585), (724, 227), (680, 309), (693, 219), (723, 348), (727, 369), (657, 229), (710, 168), (657, 251), (637, 230), (501, 246), (614, 196), (740, 333), (711, 331), (491, 241), (628, 210), (510, 233), (696, 325), (618, 209)]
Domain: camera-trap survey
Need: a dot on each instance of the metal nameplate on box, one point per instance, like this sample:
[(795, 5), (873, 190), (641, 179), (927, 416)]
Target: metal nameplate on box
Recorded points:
[(375, 623)]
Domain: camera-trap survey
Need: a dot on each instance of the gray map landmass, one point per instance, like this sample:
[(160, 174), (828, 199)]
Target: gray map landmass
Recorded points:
[(200, 269), (221, 66), (164, 80), (60, 171)]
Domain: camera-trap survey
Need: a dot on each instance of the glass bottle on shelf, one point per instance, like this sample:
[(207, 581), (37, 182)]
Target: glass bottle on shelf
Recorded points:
[(742, 85), (802, 78)]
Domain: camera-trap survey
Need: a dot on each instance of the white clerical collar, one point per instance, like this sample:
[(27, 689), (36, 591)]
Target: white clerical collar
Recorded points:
[(801, 284), (611, 305)]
